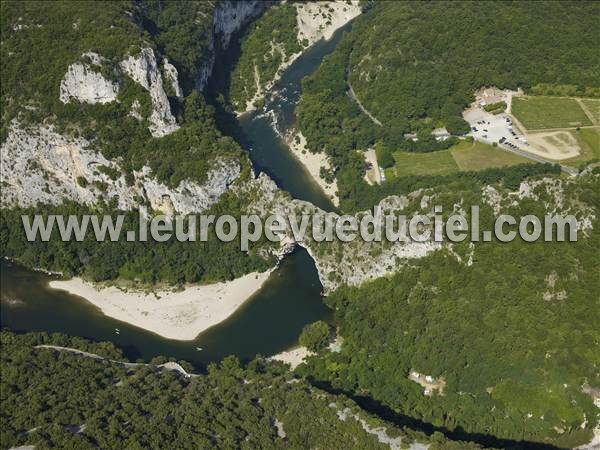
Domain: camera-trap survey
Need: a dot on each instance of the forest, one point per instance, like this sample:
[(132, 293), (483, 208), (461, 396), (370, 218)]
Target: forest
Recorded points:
[(39, 41), (228, 406), (512, 336), (171, 262)]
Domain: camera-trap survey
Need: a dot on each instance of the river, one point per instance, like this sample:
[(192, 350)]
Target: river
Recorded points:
[(267, 323)]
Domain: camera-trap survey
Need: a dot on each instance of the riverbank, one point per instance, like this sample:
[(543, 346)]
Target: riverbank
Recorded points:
[(315, 21), (293, 357), (180, 315), (313, 162)]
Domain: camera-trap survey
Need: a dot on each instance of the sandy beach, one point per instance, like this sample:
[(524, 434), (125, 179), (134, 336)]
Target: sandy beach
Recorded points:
[(180, 315), (293, 357), (313, 163)]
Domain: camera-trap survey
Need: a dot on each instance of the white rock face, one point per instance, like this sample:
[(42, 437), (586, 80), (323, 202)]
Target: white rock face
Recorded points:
[(38, 165), (190, 197), (228, 17), (312, 26), (83, 83), (353, 262), (142, 69), (172, 77)]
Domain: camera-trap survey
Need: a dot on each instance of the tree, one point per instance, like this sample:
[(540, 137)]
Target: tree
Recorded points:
[(315, 336)]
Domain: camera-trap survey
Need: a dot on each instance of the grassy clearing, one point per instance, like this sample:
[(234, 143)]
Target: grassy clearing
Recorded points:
[(434, 163), (589, 142), (536, 113), (464, 156), (479, 156), (593, 106)]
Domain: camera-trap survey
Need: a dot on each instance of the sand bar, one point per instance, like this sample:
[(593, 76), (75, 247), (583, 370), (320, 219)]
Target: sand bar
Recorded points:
[(293, 357), (313, 163), (180, 315)]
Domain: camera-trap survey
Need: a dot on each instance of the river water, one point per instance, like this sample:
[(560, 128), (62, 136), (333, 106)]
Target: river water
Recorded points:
[(267, 323)]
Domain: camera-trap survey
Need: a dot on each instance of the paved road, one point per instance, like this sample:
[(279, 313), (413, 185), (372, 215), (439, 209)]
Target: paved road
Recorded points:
[(536, 158)]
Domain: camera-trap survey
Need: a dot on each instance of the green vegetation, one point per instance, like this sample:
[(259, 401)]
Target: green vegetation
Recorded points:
[(357, 195), (434, 163), (315, 336), (514, 335), (35, 59), (495, 108), (589, 143), (537, 113), (467, 155), (565, 90), (478, 156), (430, 66), (171, 262), (39, 41), (53, 399), (593, 106), (269, 41)]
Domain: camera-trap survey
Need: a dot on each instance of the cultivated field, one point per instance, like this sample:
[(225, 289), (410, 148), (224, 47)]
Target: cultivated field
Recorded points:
[(434, 163), (479, 156), (537, 113), (464, 156), (593, 107)]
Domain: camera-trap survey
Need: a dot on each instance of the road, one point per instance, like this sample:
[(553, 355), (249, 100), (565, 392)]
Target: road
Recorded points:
[(352, 95), (173, 366), (570, 170)]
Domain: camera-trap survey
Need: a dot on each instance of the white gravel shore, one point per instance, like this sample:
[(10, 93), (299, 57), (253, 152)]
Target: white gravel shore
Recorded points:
[(180, 315)]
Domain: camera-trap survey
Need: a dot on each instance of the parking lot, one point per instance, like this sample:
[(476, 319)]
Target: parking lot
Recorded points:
[(490, 128)]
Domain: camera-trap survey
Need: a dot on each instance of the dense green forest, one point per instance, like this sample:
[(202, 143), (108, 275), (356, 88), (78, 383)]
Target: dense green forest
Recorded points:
[(512, 337), (54, 399), (266, 44), (170, 262), (415, 66)]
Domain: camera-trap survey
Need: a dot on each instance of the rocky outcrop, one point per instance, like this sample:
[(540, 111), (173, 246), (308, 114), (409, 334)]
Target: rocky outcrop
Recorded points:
[(38, 165), (357, 261), (142, 68), (320, 19), (337, 262), (87, 85), (190, 197), (172, 77), (228, 18)]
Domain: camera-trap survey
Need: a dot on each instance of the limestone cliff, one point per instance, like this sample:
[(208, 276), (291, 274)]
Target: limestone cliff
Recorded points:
[(228, 18), (85, 83), (38, 165), (143, 69), (355, 262)]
